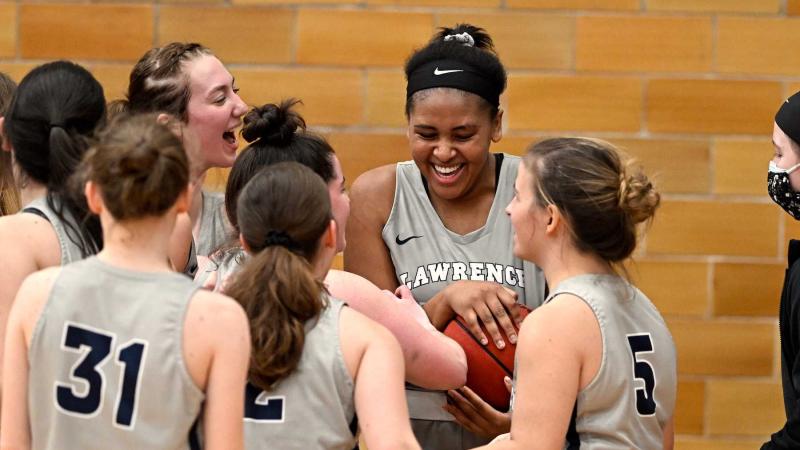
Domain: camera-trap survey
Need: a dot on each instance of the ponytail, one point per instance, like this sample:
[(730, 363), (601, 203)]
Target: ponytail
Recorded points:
[(279, 294), (283, 213)]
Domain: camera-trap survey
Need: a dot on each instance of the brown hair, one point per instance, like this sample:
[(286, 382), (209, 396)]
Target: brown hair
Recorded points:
[(139, 166), (284, 211), (9, 194), (276, 133), (158, 82), (602, 195)]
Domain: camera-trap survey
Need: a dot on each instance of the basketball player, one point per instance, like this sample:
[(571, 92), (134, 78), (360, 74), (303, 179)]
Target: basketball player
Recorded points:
[(277, 133), (315, 363), (117, 350), (186, 82), (597, 346), (56, 108), (436, 224)]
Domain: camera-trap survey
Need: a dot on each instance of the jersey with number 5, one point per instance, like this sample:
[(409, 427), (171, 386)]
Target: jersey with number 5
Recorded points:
[(106, 361), (632, 396)]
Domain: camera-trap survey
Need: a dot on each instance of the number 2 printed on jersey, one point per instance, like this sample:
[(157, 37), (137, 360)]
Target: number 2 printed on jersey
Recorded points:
[(83, 396)]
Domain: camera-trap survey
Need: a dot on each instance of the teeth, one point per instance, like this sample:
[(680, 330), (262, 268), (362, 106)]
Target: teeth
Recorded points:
[(446, 170)]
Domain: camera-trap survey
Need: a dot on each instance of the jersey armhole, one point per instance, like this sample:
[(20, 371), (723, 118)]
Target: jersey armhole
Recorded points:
[(395, 195), (603, 352), (184, 368)]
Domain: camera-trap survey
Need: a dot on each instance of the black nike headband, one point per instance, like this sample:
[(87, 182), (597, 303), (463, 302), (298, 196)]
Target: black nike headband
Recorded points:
[(788, 117), (452, 74)]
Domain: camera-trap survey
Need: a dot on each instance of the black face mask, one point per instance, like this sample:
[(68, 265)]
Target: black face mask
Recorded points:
[(780, 189)]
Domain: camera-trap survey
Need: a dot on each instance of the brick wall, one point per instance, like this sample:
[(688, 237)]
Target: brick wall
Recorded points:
[(687, 86)]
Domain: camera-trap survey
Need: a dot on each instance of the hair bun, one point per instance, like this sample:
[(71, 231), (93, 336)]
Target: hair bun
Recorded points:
[(467, 35), (273, 124), (637, 196)]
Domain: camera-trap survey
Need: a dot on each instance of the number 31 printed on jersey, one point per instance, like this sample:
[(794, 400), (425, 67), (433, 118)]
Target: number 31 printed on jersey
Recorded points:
[(83, 395)]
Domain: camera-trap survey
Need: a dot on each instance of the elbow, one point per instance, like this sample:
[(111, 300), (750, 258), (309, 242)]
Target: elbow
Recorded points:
[(452, 375)]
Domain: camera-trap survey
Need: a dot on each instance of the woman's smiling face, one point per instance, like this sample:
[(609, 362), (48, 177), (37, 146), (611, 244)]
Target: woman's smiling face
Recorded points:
[(214, 113), (449, 132)]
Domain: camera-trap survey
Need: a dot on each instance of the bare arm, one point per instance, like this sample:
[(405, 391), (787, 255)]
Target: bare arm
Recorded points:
[(375, 361), (432, 360), (217, 349), (14, 422), (552, 367), (669, 434), (29, 243), (371, 199)]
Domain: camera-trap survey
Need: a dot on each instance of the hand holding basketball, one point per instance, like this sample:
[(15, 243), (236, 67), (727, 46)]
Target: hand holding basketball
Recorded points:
[(488, 303), (476, 415)]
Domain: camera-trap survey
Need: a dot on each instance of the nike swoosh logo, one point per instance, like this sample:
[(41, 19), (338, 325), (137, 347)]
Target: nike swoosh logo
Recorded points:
[(403, 241), (436, 71)]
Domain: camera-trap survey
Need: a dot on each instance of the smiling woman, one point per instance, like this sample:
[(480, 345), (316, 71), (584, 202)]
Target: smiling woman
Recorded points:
[(436, 224), (190, 88)]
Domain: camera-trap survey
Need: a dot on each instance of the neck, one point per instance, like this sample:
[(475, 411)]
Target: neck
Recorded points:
[(569, 262), (196, 204), (141, 244), (31, 192)]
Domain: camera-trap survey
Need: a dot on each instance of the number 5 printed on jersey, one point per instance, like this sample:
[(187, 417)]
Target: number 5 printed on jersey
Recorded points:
[(642, 344), (83, 395)]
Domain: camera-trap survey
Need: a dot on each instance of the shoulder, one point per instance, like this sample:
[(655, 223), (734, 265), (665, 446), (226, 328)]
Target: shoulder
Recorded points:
[(30, 237), (211, 309), (31, 298), (376, 188), (39, 284), (567, 319)]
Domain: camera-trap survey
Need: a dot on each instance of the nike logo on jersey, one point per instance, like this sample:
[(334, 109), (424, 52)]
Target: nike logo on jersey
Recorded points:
[(403, 241), (436, 71)]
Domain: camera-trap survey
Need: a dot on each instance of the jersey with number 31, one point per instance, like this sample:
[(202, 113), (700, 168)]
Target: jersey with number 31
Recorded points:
[(632, 396), (106, 361)]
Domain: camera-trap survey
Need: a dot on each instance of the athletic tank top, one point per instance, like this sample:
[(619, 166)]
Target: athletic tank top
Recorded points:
[(224, 262), (427, 256), (633, 394), (106, 361), (214, 230), (70, 251), (313, 408)]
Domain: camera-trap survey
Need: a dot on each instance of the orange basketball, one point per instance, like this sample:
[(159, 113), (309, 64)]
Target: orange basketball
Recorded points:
[(486, 364)]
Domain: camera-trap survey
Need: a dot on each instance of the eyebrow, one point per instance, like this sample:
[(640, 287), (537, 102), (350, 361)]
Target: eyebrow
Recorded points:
[(222, 87), (468, 126)]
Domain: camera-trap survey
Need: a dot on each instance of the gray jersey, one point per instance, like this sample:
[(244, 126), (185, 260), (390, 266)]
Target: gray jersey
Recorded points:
[(67, 236), (106, 361), (427, 257), (224, 262), (632, 396), (313, 408), (214, 229)]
